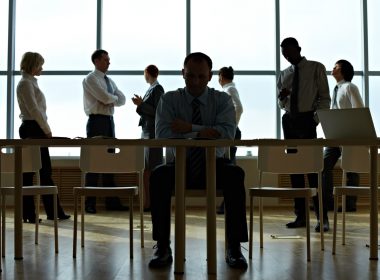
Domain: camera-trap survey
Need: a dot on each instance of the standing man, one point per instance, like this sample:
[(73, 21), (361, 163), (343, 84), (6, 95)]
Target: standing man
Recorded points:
[(100, 96), (192, 112), (346, 95), (302, 89)]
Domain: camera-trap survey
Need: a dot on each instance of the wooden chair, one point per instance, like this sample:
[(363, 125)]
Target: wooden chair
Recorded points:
[(31, 162), (103, 159), (354, 159), (276, 160)]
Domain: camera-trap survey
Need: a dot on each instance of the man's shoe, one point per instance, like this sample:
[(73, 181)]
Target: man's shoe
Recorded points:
[(90, 209), (118, 207), (326, 226), (235, 258), (297, 223), (162, 256)]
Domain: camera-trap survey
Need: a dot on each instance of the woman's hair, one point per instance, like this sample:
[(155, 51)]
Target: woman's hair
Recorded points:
[(346, 69), (152, 70), (227, 73), (31, 61)]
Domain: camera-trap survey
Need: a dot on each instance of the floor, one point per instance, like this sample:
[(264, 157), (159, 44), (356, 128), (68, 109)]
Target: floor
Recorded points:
[(106, 251)]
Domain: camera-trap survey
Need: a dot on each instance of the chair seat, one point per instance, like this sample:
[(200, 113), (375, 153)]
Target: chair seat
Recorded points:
[(106, 191), (31, 190), (351, 190), (282, 192)]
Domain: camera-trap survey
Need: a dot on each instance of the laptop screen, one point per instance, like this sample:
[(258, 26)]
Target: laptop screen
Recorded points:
[(351, 123)]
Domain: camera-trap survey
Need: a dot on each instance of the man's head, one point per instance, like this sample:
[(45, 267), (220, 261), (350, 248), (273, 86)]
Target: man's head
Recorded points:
[(343, 70), (101, 60), (291, 50), (197, 72)]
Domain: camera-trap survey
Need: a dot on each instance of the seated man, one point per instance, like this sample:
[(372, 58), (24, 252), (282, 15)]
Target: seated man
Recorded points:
[(197, 111)]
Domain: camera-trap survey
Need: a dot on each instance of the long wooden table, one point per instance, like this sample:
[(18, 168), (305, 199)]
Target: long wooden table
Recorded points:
[(181, 145)]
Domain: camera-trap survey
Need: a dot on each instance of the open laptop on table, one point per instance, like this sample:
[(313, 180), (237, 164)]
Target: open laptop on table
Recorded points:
[(351, 123)]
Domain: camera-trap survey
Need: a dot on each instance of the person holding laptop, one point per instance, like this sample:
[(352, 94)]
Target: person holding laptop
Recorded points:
[(346, 95)]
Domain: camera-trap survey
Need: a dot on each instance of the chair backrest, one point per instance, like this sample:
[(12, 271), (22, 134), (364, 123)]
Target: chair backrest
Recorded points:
[(290, 160), (31, 159), (357, 159), (106, 159)]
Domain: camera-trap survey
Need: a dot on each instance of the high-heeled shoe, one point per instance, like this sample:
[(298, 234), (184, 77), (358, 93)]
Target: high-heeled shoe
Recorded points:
[(31, 220)]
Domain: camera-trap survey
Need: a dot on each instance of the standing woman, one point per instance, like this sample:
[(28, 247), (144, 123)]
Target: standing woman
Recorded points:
[(146, 108), (226, 76), (32, 105)]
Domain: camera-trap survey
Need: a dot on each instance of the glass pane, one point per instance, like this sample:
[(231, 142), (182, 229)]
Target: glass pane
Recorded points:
[(3, 34), (3, 107), (373, 35), (228, 32), (258, 96), (374, 101), (138, 33), (324, 33), (66, 117), (62, 31)]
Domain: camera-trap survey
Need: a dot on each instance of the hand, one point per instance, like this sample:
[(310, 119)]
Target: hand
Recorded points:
[(283, 93), (180, 126), (137, 100), (48, 135), (209, 133)]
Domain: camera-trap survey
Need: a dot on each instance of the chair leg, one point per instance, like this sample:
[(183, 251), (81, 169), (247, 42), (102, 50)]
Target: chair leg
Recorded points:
[(261, 222), (131, 227), (3, 212), (141, 195), (343, 219), (307, 214), (55, 222), (75, 225), (335, 222), (82, 221), (250, 226), (37, 214)]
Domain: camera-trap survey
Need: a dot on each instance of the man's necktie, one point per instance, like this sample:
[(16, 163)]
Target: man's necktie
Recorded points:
[(294, 95), (197, 157), (109, 87), (334, 105)]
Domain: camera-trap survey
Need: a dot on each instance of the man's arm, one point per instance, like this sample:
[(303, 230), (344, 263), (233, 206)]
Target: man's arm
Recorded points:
[(92, 86), (323, 88)]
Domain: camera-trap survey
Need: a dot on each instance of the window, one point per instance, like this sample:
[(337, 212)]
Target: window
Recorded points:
[(139, 33), (326, 30), (239, 33), (65, 36), (373, 35)]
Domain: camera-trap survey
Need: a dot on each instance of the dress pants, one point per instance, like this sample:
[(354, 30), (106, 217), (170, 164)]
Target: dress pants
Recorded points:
[(233, 149), (229, 178), (302, 126), (31, 129), (100, 125), (331, 156)]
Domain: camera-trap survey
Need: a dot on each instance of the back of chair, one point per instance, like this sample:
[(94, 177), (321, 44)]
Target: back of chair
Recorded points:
[(290, 160), (31, 159), (357, 159), (105, 159)]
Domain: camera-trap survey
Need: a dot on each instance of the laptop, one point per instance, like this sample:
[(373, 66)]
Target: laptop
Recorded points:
[(354, 123)]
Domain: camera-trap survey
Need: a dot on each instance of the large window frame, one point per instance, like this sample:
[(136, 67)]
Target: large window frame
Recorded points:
[(365, 74)]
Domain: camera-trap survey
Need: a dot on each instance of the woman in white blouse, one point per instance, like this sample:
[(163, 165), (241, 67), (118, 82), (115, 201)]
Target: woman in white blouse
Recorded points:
[(226, 76), (32, 105)]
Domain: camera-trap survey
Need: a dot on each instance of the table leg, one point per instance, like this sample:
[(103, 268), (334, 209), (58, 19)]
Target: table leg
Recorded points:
[(211, 208), (373, 255), (18, 203), (180, 175)]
